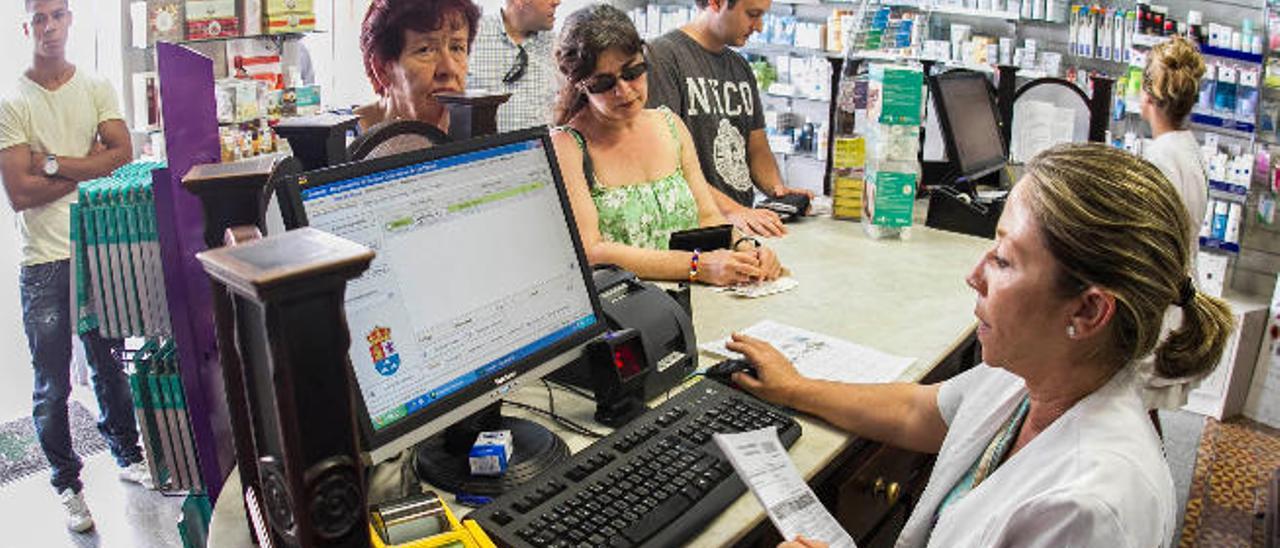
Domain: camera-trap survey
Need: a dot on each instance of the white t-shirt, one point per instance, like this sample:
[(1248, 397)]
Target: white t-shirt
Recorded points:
[(1095, 477), (1177, 154), (62, 122)]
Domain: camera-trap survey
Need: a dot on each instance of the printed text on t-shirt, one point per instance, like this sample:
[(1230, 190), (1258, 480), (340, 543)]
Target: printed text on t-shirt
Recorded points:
[(711, 96)]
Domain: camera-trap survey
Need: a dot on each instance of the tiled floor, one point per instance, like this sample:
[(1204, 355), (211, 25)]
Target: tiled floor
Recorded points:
[(125, 514), (1181, 442)]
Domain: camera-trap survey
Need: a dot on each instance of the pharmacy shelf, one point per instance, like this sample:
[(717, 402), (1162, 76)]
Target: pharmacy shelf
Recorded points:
[(955, 10), (968, 12), (1255, 58), (874, 55), (1148, 41), (278, 37), (783, 49), (1217, 123), (819, 100)]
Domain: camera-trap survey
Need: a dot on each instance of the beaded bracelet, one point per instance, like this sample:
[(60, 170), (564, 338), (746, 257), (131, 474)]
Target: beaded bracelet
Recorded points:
[(693, 266)]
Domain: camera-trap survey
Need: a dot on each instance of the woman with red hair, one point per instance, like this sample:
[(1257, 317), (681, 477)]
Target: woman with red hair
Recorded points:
[(413, 50)]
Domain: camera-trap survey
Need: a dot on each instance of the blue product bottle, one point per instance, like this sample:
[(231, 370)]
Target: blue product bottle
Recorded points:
[(1224, 97), (1220, 212)]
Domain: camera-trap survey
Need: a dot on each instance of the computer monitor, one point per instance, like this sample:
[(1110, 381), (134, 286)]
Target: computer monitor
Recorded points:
[(480, 283), (970, 125)]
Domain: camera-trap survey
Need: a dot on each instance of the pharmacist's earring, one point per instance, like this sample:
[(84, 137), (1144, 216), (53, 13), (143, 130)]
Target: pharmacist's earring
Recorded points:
[(1071, 331)]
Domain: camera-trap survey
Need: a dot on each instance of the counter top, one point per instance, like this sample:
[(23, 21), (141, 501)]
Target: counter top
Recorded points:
[(906, 297)]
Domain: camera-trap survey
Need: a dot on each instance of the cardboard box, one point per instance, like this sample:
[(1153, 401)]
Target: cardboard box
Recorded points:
[(843, 211), (490, 453), (251, 17), (212, 19), (165, 21), (890, 198), (895, 95), (276, 7), (288, 16), (291, 23)]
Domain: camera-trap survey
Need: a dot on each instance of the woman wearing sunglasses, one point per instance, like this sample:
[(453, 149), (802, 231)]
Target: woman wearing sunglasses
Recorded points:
[(632, 173)]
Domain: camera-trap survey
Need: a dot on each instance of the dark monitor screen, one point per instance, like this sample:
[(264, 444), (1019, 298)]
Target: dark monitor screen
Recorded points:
[(970, 122), (480, 279)]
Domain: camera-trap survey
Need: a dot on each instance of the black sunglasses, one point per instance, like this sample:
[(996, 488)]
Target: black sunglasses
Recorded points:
[(603, 83), (516, 72)]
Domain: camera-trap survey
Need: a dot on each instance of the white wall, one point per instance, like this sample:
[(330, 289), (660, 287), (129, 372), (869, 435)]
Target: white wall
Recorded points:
[(91, 18), (16, 372)]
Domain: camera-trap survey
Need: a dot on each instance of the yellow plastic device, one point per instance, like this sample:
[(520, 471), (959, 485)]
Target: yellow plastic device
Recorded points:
[(453, 534)]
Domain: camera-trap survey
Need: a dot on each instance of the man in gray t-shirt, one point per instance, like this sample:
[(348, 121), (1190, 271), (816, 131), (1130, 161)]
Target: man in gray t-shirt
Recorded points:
[(714, 91)]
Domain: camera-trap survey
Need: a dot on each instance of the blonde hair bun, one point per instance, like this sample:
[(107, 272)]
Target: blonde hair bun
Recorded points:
[(1172, 77)]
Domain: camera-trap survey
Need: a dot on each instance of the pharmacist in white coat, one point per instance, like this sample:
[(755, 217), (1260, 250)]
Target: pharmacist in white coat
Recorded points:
[(1170, 87), (1046, 443)]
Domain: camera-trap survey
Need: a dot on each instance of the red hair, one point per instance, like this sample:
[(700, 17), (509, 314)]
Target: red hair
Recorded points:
[(382, 33)]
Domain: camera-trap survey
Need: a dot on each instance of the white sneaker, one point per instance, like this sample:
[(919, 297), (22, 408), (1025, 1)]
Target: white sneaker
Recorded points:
[(137, 473), (78, 517)]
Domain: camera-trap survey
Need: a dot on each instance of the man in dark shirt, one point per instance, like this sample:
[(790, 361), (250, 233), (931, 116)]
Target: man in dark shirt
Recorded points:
[(714, 91)]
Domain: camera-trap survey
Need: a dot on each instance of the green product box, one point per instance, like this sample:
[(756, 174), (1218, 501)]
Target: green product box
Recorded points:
[(892, 197), (895, 95)]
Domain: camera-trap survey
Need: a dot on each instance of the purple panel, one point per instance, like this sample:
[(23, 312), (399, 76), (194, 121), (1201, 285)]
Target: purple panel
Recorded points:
[(191, 138)]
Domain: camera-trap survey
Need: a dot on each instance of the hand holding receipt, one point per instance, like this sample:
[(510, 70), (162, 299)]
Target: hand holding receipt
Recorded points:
[(763, 464)]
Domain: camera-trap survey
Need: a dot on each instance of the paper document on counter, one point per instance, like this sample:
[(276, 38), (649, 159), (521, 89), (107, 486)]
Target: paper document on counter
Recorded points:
[(763, 464), (761, 289), (818, 356)]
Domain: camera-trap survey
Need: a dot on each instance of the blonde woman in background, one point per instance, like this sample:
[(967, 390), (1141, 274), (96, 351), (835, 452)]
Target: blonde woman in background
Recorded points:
[(1170, 88), (1046, 443)]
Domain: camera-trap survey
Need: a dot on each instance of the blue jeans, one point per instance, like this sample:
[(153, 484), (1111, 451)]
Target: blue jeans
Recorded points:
[(46, 315)]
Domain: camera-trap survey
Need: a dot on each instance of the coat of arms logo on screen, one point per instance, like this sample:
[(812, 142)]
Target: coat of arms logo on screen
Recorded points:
[(383, 351)]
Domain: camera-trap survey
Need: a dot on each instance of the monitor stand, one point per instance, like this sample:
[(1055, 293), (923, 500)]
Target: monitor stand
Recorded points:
[(441, 460)]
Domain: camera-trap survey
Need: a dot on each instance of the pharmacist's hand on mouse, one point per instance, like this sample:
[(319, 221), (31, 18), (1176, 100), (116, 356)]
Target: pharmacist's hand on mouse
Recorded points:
[(776, 378)]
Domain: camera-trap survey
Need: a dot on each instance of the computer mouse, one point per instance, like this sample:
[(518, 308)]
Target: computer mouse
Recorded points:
[(723, 371)]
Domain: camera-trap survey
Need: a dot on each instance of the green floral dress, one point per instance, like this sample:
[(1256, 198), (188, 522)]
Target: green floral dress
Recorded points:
[(644, 214)]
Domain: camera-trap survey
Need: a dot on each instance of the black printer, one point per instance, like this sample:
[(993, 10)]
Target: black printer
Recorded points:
[(663, 319)]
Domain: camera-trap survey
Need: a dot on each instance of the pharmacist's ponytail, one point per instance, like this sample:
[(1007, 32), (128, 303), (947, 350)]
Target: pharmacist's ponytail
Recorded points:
[(1114, 222), (1195, 346)]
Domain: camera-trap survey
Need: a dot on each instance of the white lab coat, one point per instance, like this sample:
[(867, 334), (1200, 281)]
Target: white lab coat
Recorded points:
[(1178, 156), (1095, 477)]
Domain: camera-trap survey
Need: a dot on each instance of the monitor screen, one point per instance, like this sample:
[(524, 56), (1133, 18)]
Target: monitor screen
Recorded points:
[(479, 278), (970, 122)]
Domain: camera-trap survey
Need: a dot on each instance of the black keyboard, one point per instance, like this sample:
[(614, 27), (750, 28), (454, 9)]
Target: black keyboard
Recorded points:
[(655, 482)]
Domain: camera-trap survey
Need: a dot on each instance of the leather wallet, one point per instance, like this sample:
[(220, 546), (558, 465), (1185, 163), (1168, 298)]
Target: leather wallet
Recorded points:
[(703, 239), (788, 207)]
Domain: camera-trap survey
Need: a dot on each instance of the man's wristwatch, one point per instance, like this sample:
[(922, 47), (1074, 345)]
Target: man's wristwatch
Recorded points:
[(50, 165)]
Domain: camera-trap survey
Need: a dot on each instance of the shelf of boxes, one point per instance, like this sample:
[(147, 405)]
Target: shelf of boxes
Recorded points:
[(1210, 121), (954, 10), (1228, 191), (1150, 41), (969, 12)]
